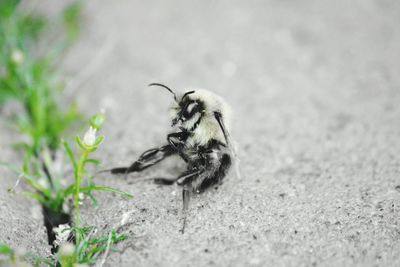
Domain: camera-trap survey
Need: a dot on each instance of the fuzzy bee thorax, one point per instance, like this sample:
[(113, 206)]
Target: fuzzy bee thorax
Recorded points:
[(194, 112)]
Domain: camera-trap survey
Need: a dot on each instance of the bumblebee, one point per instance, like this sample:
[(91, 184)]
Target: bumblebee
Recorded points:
[(200, 120)]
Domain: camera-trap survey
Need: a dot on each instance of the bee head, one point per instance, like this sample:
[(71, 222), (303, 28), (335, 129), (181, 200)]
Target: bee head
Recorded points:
[(185, 110)]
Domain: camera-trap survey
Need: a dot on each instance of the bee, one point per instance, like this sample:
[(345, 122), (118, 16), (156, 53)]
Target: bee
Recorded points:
[(200, 120)]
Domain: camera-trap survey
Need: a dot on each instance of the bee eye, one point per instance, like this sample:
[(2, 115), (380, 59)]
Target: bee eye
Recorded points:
[(189, 110)]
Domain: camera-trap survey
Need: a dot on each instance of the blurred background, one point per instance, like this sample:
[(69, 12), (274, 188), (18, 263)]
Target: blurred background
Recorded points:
[(314, 87)]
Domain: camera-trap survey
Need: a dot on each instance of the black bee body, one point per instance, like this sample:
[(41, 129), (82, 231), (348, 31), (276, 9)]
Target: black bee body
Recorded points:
[(201, 139), (206, 165)]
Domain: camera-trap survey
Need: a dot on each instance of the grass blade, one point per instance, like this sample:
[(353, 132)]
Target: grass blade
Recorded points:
[(106, 189), (70, 154)]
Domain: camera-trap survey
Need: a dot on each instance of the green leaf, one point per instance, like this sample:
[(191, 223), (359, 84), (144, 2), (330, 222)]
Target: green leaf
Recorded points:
[(92, 161), (93, 199), (69, 190), (21, 146), (36, 197), (6, 250), (71, 156), (106, 189), (7, 8), (99, 140), (38, 187), (31, 26), (49, 262), (71, 17), (31, 180), (10, 167), (80, 143)]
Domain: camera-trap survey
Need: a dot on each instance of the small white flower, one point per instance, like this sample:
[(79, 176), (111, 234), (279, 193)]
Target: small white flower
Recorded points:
[(17, 56), (90, 137), (62, 233), (43, 182), (67, 249), (82, 197)]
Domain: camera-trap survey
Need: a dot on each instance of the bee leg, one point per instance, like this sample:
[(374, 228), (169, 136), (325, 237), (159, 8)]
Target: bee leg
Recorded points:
[(155, 155), (187, 190), (164, 181), (147, 159), (190, 183), (180, 179), (187, 177), (177, 141), (186, 180)]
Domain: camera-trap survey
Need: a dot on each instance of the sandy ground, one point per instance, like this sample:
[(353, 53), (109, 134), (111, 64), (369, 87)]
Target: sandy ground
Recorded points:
[(21, 223), (314, 87)]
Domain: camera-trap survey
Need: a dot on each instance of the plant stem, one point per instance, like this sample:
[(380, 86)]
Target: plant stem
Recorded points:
[(78, 179)]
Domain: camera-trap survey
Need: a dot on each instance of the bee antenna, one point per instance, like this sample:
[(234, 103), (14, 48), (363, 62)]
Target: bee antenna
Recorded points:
[(187, 93), (164, 86)]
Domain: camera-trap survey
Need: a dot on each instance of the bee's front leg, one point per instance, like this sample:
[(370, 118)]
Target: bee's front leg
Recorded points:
[(178, 140), (147, 159)]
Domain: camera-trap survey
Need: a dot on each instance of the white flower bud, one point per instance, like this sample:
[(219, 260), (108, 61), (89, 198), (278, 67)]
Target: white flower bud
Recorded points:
[(90, 137), (66, 249), (43, 182), (81, 198), (17, 57)]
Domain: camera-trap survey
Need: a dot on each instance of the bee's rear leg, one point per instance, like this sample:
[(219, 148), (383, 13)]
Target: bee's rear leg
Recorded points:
[(187, 177), (186, 180), (180, 180), (186, 192), (164, 181)]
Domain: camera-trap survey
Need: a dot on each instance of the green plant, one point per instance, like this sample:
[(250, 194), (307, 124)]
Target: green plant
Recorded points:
[(9, 257), (88, 245), (30, 80), (54, 197), (88, 250), (71, 19), (8, 254), (87, 146)]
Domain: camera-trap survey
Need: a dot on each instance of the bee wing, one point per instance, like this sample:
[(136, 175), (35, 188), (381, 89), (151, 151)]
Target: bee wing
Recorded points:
[(228, 140), (218, 117)]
